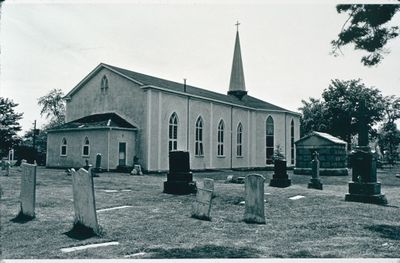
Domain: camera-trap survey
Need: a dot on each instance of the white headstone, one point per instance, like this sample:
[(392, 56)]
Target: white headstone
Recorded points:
[(84, 202), (254, 199), (202, 205), (28, 189), (208, 184)]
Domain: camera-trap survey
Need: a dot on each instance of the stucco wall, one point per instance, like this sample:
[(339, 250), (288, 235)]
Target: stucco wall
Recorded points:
[(123, 97)]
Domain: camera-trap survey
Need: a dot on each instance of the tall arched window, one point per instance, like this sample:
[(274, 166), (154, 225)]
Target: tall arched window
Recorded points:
[(86, 147), (269, 140), (292, 142), (173, 133), (220, 142), (104, 83), (239, 140), (198, 151), (63, 148)]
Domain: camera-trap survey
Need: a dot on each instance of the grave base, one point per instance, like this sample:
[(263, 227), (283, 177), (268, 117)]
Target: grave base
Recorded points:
[(252, 219), (371, 199), (80, 232), (280, 182), (315, 184), (179, 187)]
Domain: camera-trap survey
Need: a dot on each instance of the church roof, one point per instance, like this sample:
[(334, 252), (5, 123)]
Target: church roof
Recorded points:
[(146, 80), (102, 120)]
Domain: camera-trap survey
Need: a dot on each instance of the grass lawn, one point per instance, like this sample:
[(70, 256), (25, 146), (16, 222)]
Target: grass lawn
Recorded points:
[(159, 225)]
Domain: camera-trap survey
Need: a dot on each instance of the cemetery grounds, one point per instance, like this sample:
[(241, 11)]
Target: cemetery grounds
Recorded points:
[(152, 224)]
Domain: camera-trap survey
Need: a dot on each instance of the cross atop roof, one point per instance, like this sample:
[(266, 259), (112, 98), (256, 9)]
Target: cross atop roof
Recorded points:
[(237, 25)]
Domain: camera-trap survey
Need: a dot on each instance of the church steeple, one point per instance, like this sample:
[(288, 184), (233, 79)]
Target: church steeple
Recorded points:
[(237, 87)]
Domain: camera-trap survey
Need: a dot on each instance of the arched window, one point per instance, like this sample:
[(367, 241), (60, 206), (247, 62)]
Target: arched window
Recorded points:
[(269, 140), (199, 138), (104, 83), (292, 142), (63, 149), (173, 132), (220, 143), (86, 147), (239, 140)]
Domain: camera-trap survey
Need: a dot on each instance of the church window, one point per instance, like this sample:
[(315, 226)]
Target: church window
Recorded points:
[(239, 140), (86, 147), (292, 142), (173, 133), (63, 150), (220, 142), (199, 138), (104, 83), (269, 140)]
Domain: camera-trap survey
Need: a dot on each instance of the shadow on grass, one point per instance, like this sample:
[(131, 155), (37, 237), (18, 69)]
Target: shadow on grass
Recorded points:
[(302, 254), (386, 231), (81, 232), (206, 251), (22, 218)]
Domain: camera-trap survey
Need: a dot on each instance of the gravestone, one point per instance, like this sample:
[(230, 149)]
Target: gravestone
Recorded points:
[(85, 219), (254, 199), (179, 177), (315, 181), (202, 205), (137, 170), (364, 186), (97, 167), (208, 184), (28, 193), (280, 178)]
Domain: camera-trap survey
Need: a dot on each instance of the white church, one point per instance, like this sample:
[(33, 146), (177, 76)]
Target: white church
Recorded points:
[(131, 117)]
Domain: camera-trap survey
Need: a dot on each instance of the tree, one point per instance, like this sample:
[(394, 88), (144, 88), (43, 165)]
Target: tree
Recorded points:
[(366, 28), (53, 106), (389, 141), (392, 108), (9, 125), (337, 113), (313, 117)]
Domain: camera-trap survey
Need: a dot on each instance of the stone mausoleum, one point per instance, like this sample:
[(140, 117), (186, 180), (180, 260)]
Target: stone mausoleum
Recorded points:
[(332, 154), (130, 117)]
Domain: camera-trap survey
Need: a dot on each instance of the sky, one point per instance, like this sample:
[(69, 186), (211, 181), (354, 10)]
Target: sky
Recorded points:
[(285, 47)]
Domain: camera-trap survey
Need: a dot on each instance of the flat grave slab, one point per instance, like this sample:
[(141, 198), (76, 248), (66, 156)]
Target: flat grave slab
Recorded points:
[(72, 249)]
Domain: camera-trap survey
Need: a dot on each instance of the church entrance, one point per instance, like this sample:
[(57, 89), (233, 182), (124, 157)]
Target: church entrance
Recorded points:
[(122, 153)]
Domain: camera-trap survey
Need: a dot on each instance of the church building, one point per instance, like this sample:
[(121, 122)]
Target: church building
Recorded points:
[(130, 117)]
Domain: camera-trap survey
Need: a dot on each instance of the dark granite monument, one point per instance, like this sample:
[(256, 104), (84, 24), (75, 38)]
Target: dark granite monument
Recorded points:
[(364, 186), (280, 178), (97, 168), (315, 181), (179, 177)]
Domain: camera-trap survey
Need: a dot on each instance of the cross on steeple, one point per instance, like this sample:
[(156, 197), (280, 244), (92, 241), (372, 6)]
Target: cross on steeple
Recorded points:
[(237, 25)]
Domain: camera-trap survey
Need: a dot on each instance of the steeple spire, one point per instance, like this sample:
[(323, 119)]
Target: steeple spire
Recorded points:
[(237, 87)]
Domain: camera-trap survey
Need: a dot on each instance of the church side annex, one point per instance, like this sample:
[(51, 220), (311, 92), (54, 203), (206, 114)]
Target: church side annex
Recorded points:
[(128, 116)]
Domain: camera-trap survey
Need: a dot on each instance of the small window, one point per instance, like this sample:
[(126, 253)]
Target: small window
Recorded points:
[(173, 133), (63, 150), (86, 147), (220, 142), (239, 140), (104, 83), (199, 138)]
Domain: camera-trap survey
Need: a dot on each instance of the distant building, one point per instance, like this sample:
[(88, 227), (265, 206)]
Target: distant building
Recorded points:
[(125, 115), (332, 154)]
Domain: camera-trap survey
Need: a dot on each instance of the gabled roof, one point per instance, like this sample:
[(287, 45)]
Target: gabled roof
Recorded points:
[(102, 120), (147, 81), (323, 135)]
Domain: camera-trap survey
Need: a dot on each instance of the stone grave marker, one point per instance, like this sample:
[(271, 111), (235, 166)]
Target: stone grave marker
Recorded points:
[(28, 191), (85, 220), (179, 177), (202, 205), (315, 181), (97, 167), (364, 186), (280, 178), (254, 199)]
